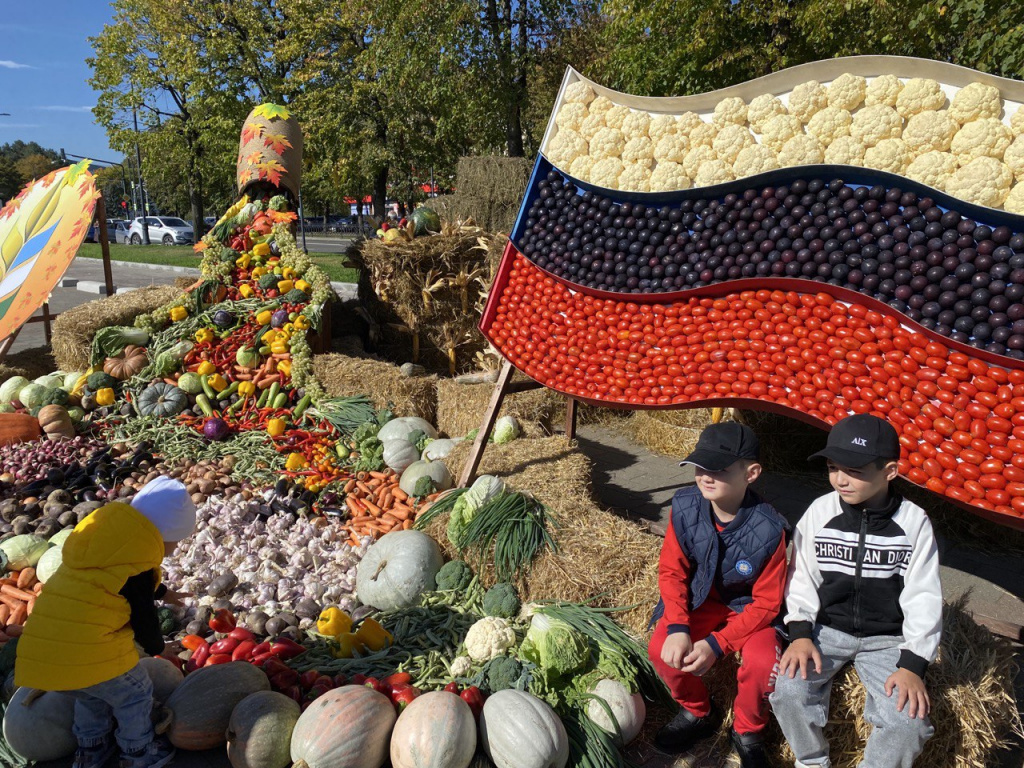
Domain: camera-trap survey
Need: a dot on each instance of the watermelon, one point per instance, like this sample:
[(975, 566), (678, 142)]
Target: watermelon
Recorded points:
[(426, 221)]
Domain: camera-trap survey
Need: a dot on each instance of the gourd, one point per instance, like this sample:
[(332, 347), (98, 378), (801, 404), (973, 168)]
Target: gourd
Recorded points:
[(518, 730), (18, 428), (439, 449), (436, 730), (24, 551), (10, 389), (202, 705), (164, 675), (397, 569), (56, 423), (260, 731), (129, 362), (437, 471), (49, 563), (349, 726), (628, 709), (404, 426), (399, 453), (31, 396), (37, 725), (190, 383), (162, 399)]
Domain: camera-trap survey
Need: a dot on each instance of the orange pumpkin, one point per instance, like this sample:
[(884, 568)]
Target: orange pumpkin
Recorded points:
[(18, 428), (348, 726), (125, 365)]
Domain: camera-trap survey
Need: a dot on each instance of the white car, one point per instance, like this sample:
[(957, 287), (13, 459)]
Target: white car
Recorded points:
[(169, 230), (120, 233)]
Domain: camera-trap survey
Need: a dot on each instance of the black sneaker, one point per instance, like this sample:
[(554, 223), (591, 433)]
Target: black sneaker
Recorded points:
[(686, 729), (158, 754), (750, 748), (95, 757)]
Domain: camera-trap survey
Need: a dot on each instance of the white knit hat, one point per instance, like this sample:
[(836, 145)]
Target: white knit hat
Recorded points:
[(166, 503)]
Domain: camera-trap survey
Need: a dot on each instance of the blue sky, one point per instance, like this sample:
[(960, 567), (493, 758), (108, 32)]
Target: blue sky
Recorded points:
[(44, 77)]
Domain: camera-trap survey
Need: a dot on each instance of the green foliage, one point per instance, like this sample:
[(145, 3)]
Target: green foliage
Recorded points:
[(454, 574), (501, 600)]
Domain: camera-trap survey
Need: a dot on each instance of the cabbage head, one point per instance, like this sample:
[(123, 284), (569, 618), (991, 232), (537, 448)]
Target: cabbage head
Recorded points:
[(557, 649)]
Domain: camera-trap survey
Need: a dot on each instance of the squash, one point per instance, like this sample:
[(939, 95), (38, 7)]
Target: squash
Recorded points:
[(628, 709), (404, 426), (164, 675), (439, 449), (260, 731), (202, 705), (437, 471), (397, 569), (18, 428), (24, 551), (348, 727), (518, 730), (129, 362), (10, 389), (162, 399), (37, 725), (436, 730), (56, 423), (399, 453), (49, 563)]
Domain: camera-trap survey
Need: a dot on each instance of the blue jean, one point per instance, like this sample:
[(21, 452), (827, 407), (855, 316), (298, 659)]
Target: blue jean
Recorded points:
[(128, 699)]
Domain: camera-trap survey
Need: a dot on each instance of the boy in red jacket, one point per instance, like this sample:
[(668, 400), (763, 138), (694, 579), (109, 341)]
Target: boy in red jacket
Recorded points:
[(722, 576)]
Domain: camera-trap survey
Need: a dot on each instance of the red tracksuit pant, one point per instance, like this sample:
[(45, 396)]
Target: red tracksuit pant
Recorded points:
[(759, 665)]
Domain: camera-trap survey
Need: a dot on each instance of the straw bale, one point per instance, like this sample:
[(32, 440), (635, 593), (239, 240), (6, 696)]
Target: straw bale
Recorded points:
[(30, 363), (344, 375), (73, 330), (461, 407), (661, 436), (503, 179)]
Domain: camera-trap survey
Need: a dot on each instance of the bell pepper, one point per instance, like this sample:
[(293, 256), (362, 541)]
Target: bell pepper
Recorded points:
[(200, 655), (105, 396), (308, 679), (261, 249), (294, 462), (285, 367), (333, 621), (241, 634), (204, 334), (227, 645), (303, 286), (246, 389), (217, 382), (452, 687), (275, 428), (191, 642), (206, 368), (285, 285), (348, 645), (398, 678), (474, 698), (223, 621), (288, 273), (258, 272), (264, 317), (301, 323), (178, 313), (244, 260), (373, 635), (285, 649), (245, 290), (279, 347), (243, 652)]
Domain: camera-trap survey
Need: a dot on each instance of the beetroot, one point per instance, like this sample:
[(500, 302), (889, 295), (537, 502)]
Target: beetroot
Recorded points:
[(216, 429)]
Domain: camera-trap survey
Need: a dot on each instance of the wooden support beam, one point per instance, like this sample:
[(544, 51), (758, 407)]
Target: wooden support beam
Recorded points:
[(490, 416), (46, 321), (101, 221), (570, 417), (1014, 632)]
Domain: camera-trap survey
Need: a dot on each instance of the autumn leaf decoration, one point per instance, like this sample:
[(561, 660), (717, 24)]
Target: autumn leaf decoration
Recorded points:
[(277, 142), (272, 111), (251, 131), (271, 171)]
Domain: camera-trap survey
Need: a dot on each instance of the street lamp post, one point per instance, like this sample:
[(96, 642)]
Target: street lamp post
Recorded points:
[(142, 187)]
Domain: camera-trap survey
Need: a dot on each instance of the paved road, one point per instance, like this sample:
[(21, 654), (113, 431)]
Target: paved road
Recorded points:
[(327, 243)]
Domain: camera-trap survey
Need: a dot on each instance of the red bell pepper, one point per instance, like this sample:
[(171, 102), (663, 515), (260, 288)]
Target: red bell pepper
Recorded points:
[(223, 621), (273, 665), (405, 697), (227, 645), (191, 642), (262, 648), (325, 681), (293, 693), (316, 692), (285, 648), (284, 679), (190, 666), (452, 687), (378, 685), (217, 658), (241, 634), (475, 699), (307, 679), (243, 652), (261, 660)]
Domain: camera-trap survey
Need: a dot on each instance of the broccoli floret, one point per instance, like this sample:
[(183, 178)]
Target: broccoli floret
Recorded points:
[(503, 672), (454, 574), (501, 600)]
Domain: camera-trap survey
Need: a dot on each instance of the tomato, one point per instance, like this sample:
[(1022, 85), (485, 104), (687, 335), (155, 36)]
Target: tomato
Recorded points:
[(991, 466)]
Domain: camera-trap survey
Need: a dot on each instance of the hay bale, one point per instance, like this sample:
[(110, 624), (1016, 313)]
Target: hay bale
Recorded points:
[(344, 375), (73, 330), (498, 179), (30, 363), (661, 436), (461, 407)]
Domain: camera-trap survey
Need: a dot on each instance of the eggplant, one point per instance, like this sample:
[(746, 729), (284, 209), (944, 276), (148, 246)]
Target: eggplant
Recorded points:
[(55, 477)]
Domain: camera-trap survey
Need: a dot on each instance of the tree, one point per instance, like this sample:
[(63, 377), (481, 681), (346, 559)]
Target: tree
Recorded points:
[(10, 180), (34, 167)]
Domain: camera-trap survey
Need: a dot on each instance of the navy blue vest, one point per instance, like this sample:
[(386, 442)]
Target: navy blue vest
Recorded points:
[(749, 542)]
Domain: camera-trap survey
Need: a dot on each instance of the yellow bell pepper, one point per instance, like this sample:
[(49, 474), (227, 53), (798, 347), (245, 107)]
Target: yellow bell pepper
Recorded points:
[(303, 286), (269, 336), (264, 317), (206, 368), (105, 396), (258, 272), (217, 382), (279, 347), (333, 622), (288, 328), (285, 285), (373, 635), (204, 334), (246, 389), (301, 323), (285, 367), (348, 645), (288, 273), (261, 249), (281, 335), (295, 461), (243, 261), (178, 313), (275, 428), (245, 290)]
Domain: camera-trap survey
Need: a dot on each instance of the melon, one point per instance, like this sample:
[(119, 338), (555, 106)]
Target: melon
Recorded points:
[(260, 731), (202, 705), (349, 727), (426, 222)]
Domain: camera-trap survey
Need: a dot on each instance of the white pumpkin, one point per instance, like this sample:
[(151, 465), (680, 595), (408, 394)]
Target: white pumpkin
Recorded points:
[(436, 730), (439, 449), (38, 725), (628, 708), (397, 569), (402, 427), (518, 730), (349, 727), (435, 470), (399, 453)]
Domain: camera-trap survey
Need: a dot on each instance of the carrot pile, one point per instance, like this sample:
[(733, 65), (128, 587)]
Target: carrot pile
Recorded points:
[(18, 593), (377, 505)]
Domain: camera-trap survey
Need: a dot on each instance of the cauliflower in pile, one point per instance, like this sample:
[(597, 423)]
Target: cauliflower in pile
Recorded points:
[(984, 180), (686, 122), (581, 167), (461, 666), (986, 137), (730, 140), (592, 123), (1014, 157), (919, 94), (884, 89), (713, 172), (801, 150), (579, 92), (874, 123), (489, 637), (669, 176), (565, 147), (662, 126), (600, 105), (932, 168), (974, 102), (890, 155), (846, 150), (615, 115), (636, 124), (929, 131), (1014, 202), (762, 108), (730, 110), (1017, 121), (696, 157), (605, 173), (829, 124), (635, 177), (757, 158), (847, 91), (780, 129), (639, 150), (571, 116), (807, 99), (607, 142), (671, 148), (703, 134)]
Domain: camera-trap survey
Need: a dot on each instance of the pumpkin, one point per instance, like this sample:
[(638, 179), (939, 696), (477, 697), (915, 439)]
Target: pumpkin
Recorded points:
[(348, 727), (436, 730), (436, 471), (405, 426), (628, 709), (37, 725), (165, 676), (439, 449), (518, 730), (260, 731), (129, 362), (162, 399), (399, 453), (18, 428), (397, 569), (56, 423), (202, 705)]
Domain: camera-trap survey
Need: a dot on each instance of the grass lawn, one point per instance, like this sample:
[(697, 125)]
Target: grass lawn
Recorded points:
[(181, 256)]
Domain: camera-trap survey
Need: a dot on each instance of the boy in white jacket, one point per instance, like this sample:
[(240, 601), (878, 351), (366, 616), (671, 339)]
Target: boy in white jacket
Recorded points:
[(863, 588)]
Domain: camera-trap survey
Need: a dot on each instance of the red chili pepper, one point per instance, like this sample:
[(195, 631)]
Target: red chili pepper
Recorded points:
[(293, 692), (452, 687), (358, 679), (474, 698), (241, 634), (227, 645), (243, 652), (284, 678), (262, 659), (399, 677), (325, 681), (217, 658), (223, 621), (191, 642), (262, 648), (316, 692), (286, 649), (340, 680), (200, 655), (405, 697), (307, 679)]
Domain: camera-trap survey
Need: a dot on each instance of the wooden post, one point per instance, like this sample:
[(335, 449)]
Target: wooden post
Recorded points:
[(570, 418), (46, 321), (490, 416), (108, 276)]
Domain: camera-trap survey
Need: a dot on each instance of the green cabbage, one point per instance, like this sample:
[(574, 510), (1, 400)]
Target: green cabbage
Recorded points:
[(466, 506), (506, 429), (32, 395), (556, 648), (10, 389), (24, 551)]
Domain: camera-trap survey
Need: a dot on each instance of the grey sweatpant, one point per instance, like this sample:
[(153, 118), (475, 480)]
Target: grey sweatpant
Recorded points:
[(801, 706)]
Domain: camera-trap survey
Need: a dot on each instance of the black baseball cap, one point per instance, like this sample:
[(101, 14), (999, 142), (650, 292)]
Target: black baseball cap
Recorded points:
[(719, 445), (858, 440)]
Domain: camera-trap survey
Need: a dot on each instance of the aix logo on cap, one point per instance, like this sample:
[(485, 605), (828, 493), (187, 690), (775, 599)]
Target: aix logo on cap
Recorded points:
[(863, 441)]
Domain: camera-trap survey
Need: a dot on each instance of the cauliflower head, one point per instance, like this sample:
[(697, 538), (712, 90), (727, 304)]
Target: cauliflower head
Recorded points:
[(846, 150), (606, 172), (1014, 157), (1014, 202), (615, 115), (930, 131), (672, 148), (829, 124), (807, 99), (703, 134), (713, 172), (462, 666), (565, 147), (662, 126), (730, 140), (762, 108), (635, 177), (932, 168), (975, 101), (884, 89), (636, 124), (874, 123), (607, 142), (755, 159), (780, 129), (491, 636), (582, 167), (686, 122), (579, 92), (668, 177), (892, 155), (919, 94), (571, 115), (730, 110), (1017, 121), (847, 91), (801, 150), (592, 123), (986, 137), (983, 180), (696, 157), (640, 150)]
